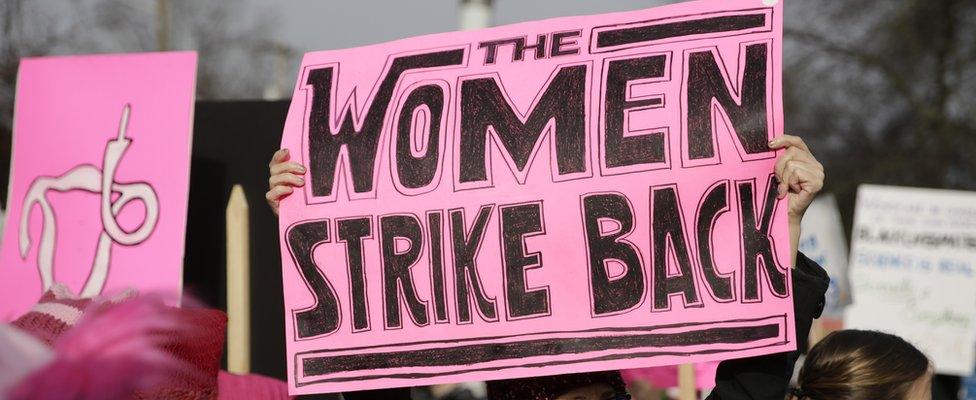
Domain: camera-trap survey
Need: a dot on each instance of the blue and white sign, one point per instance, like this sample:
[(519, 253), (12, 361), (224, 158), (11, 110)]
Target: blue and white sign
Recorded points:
[(913, 270)]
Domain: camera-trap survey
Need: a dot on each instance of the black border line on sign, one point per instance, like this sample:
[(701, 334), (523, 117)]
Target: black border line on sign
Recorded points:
[(778, 324)]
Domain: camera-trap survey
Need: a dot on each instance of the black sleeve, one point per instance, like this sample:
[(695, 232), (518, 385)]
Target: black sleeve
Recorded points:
[(768, 377)]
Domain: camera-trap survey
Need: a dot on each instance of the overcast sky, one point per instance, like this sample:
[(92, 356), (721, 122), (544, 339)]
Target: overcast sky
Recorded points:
[(310, 25), (307, 25)]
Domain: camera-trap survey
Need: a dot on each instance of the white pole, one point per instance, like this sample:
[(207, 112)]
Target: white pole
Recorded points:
[(238, 284), (686, 382), (475, 14), (163, 25)]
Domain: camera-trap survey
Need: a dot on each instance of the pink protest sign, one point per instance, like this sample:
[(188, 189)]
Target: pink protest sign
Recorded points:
[(576, 194), (99, 176)]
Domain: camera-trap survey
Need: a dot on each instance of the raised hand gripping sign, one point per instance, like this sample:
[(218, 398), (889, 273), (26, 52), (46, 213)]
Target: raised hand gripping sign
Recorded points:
[(101, 155), (576, 194)]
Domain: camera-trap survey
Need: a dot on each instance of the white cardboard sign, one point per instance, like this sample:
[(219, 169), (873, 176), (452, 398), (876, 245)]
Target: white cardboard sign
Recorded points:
[(913, 270)]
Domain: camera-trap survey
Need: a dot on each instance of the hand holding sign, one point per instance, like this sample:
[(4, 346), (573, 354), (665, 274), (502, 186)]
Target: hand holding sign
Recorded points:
[(284, 175), (800, 177)]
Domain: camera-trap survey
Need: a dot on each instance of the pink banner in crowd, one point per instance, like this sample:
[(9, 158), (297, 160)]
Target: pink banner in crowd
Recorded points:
[(99, 177), (575, 194)]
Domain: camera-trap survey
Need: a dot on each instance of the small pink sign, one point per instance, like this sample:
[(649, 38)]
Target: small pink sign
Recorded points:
[(100, 176), (575, 194)]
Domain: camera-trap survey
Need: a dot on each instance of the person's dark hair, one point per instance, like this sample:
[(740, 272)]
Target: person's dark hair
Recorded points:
[(860, 365), (551, 387)]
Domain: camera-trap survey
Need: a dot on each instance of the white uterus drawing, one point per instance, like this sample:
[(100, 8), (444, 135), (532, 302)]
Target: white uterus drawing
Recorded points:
[(90, 178)]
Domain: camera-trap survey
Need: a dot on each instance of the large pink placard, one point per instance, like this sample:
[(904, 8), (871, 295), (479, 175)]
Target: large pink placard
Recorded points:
[(576, 194), (99, 176)]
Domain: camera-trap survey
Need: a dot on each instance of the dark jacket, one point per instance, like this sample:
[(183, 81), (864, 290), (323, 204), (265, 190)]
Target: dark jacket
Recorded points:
[(768, 377)]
